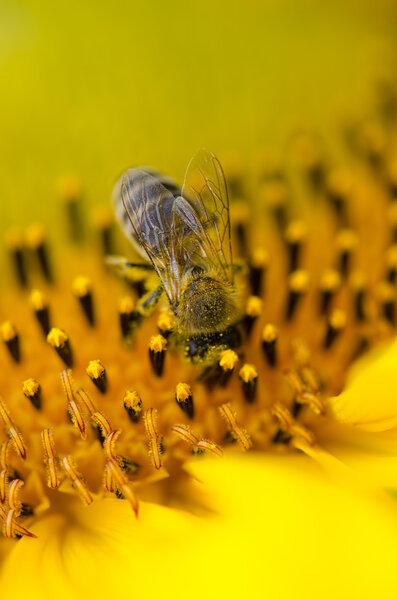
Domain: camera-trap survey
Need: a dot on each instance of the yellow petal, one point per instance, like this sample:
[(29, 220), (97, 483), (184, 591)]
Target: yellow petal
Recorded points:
[(279, 529), (369, 400)]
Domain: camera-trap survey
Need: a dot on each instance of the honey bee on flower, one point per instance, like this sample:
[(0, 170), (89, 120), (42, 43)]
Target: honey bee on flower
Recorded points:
[(185, 236)]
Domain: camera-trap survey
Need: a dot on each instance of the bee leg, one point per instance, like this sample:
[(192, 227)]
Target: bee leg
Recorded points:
[(148, 302), (122, 266), (239, 267)]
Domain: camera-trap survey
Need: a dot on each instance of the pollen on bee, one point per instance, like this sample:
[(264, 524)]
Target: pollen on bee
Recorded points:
[(133, 405), (97, 373), (14, 434), (73, 407), (157, 351), (10, 337), (82, 288), (184, 399), (41, 310), (59, 340), (32, 391), (237, 432), (76, 480), (269, 343), (50, 459), (248, 375)]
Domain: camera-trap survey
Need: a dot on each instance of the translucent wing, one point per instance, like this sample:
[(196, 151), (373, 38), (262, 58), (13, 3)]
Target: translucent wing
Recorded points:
[(205, 207), (147, 209)]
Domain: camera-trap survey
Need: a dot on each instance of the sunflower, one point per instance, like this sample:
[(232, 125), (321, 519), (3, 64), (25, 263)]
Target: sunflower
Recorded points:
[(121, 458)]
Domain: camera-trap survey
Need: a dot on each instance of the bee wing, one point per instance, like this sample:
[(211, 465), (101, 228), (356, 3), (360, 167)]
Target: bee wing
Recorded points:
[(148, 206), (205, 190)]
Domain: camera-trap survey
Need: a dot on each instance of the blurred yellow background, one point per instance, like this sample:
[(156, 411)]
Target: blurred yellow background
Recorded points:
[(95, 87)]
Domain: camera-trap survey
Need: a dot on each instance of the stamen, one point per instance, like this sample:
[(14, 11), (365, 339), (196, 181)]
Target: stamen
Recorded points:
[(298, 283), (15, 245), (15, 436), (387, 298), (10, 337), (49, 451), (13, 492), (3, 485), (346, 243), (339, 184), (211, 447), (227, 361), (123, 485), (274, 195), (289, 425), (392, 214), (312, 401), (129, 318), (97, 373), (295, 236), (82, 289), (249, 378), (155, 445), (185, 433), (184, 399), (157, 352), (110, 443), (102, 424), (73, 408), (358, 283), (76, 480), (133, 405), (59, 340), (329, 285), (36, 241), (32, 391), (11, 527), (269, 344), (391, 263), (86, 400), (41, 310), (71, 192), (237, 432), (336, 323), (165, 323), (103, 221), (258, 265), (253, 310)]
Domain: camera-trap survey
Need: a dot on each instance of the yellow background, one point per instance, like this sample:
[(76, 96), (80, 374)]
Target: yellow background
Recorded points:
[(95, 87)]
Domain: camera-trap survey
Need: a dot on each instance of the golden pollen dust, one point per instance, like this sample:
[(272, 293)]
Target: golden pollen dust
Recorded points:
[(104, 390)]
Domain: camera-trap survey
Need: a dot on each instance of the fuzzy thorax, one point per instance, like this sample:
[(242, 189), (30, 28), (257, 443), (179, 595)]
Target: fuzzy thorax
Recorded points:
[(207, 305)]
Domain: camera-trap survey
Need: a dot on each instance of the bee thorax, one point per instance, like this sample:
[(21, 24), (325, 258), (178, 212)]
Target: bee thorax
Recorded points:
[(207, 305)]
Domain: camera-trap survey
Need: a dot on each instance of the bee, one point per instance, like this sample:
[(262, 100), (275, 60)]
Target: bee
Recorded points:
[(184, 235)]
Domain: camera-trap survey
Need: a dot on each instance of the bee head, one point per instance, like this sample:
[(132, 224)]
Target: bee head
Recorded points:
[(207, 305)]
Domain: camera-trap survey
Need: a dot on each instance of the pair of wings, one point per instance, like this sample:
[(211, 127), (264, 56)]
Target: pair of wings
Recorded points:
[(180, 231)]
